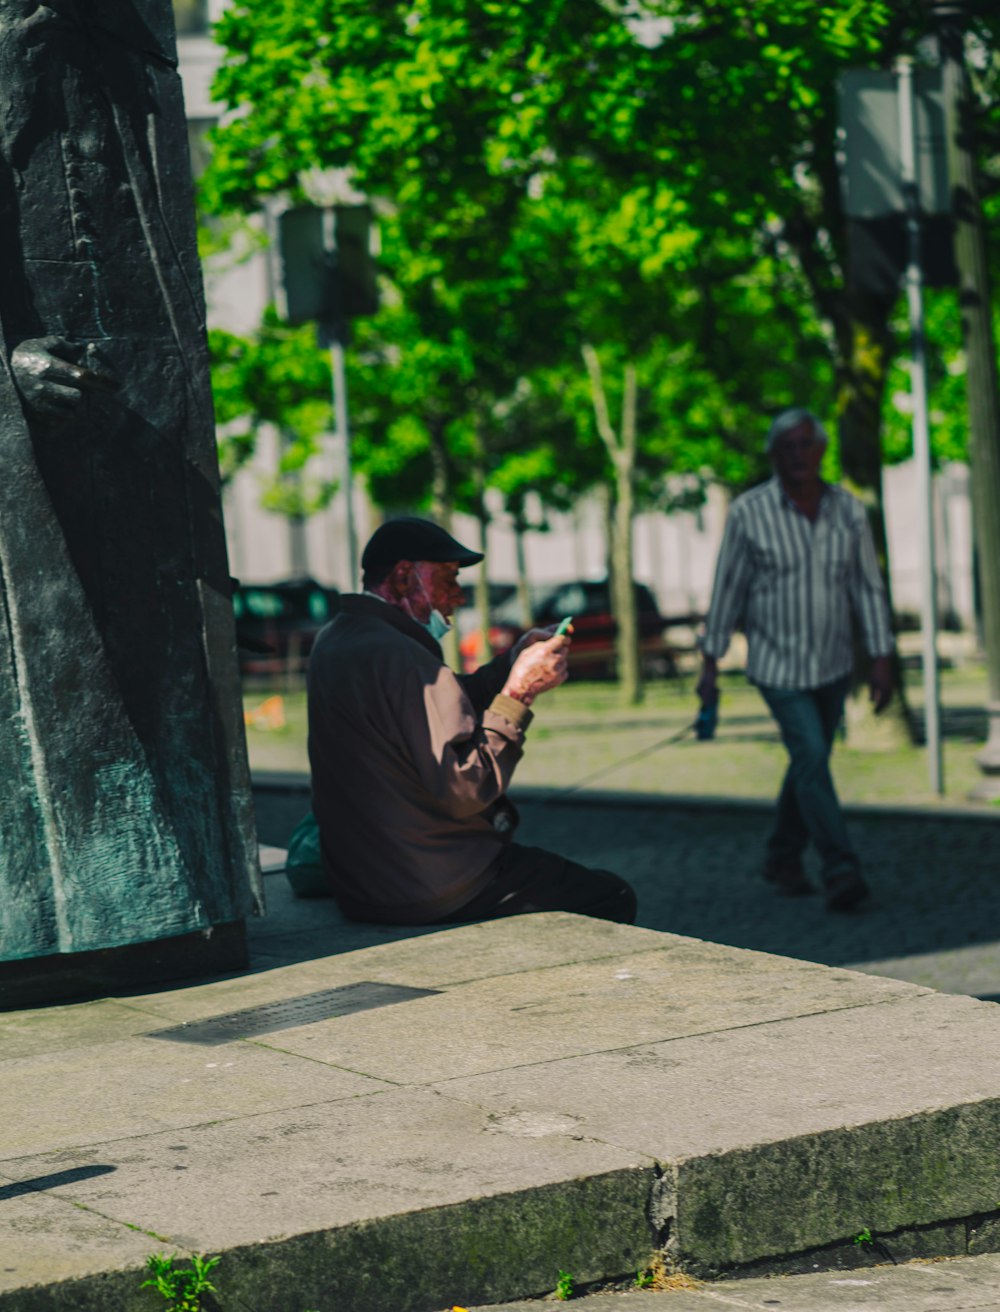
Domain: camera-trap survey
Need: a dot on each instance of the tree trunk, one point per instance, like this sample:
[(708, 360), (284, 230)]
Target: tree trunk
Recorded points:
[(982, 387), (862, 354), (482, 584), (627, 642), (621, 448), (442, 508), (866, 349), (609, 511), (523, 586), (442, 498)]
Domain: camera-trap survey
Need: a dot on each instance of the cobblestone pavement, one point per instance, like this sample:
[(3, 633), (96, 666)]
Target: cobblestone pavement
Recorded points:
[(934, 917)]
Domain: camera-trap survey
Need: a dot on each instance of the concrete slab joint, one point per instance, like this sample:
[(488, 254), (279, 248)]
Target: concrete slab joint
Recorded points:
[(663, 1206)]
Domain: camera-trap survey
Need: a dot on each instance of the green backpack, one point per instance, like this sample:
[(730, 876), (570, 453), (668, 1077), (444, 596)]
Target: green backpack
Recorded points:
[(304, 866)]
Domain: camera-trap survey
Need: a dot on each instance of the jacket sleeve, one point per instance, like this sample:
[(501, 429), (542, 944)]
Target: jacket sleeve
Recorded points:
[(465, 760), (729, 592), (483, 684)]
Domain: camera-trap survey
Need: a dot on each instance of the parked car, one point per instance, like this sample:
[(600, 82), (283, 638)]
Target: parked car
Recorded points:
[(504, 628), (592, 654), (277, 624)]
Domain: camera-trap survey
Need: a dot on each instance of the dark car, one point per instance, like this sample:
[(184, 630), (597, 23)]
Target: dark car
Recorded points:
[(592, 654), (277, 624)]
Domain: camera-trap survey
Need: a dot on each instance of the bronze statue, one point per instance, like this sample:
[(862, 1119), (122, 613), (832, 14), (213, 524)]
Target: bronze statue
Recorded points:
[(125, 812)]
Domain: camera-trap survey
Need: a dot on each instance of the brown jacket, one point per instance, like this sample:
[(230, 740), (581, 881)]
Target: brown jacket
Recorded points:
[(410, 764)]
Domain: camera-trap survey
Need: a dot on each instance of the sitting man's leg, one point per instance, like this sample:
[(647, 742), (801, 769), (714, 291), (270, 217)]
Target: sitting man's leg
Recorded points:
[(531, 879)]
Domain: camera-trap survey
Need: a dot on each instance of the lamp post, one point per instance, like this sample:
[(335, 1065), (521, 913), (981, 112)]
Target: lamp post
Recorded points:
[(921, 435), (334, 331), (328, 276), (897, 200), (950, 18)]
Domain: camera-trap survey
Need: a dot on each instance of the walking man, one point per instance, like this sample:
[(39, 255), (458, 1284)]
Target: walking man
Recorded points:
[(796, 563)]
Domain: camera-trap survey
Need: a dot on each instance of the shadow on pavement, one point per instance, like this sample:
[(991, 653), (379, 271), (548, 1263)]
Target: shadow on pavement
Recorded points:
[(695, 867), (697, 871)]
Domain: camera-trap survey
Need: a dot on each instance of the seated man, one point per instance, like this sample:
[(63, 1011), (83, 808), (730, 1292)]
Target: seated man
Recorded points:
[(411, 763)]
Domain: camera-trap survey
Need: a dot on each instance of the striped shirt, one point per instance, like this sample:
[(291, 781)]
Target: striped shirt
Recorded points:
[(793, 585)]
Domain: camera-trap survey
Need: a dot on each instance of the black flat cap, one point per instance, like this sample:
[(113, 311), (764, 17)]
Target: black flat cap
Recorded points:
[(410, 538)]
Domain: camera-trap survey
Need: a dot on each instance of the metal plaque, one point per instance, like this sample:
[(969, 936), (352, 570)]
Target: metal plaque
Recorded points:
[(311, 1007)]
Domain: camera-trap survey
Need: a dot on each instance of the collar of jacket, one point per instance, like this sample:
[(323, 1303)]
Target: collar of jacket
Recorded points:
[(359, 603)]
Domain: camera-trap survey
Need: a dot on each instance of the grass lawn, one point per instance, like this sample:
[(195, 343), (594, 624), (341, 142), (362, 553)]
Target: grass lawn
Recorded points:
[(583, 732)]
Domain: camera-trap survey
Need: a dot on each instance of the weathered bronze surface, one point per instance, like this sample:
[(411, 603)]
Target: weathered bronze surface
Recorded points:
[(125, 811)]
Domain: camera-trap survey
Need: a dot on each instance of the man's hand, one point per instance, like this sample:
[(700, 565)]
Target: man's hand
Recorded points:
[(529, 639), (708, 685), (880, 683), (53, 374), (540, 666)]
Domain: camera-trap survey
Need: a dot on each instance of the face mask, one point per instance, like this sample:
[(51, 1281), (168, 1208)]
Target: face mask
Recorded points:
[(437, 626)]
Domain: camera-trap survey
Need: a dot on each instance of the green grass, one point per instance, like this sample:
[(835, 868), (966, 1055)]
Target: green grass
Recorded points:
[(583, 729)]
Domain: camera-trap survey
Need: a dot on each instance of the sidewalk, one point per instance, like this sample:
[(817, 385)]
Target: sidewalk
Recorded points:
[(961, 1284), (423, 1119)]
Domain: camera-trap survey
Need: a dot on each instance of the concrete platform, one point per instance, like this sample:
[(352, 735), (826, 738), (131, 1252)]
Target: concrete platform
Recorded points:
[(564, 1094)]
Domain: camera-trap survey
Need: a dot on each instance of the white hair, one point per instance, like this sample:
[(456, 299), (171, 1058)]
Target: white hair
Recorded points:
[(789, 419)]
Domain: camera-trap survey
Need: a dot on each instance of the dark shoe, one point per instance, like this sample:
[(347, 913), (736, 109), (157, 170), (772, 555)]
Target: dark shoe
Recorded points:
[(845, 890), (788, 877)]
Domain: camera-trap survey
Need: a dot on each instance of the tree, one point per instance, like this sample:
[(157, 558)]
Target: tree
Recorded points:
[(456, 108), (614, 176)]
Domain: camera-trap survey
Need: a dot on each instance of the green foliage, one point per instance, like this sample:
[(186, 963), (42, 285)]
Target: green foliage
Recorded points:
[(947, 413), (554, 172), (564, 1287), (863, 1239), (277, 377), (181, 1287), (644, 1278)]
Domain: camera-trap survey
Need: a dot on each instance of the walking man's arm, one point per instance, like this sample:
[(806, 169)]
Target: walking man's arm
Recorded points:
[(868, 599), (732, 579)]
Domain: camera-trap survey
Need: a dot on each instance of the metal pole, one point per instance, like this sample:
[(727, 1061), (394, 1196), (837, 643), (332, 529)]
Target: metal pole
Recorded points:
[(337, 329), (343, 437), (982, 384), (921, 435)]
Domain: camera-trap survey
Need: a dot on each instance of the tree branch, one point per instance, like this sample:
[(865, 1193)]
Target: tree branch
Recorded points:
[(599, 399), (629, 413)]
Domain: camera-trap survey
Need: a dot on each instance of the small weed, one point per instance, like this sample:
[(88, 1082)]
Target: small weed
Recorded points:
[(182, 1287), (644, 1278), (866, 1240), (564, 1286)]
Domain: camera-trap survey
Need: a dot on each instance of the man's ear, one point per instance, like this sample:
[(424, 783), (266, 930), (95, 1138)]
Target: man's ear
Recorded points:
[(400, 580)]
